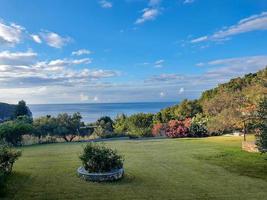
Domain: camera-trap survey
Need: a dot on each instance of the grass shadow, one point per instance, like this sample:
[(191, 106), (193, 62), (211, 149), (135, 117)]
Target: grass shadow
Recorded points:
[(14, 182)]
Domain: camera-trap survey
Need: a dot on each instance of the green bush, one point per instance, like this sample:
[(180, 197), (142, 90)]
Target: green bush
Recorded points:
[(140, 125), (99, 158), (104, 126), (8, 156), (12, 131), (262, 125)]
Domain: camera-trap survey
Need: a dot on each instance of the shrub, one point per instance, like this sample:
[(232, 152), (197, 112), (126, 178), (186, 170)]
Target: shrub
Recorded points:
[(140, 125), (99, 158), (120, 124), (262, 125), (198, 130), (8, 156), (177, 128), (104, 126), (157, 128), (12, 131), (198, 127)]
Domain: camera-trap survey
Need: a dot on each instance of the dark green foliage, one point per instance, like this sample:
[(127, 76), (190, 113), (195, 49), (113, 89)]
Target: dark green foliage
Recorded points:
[(67, 126), (104, 126), (44, 126), (21, 109), (6, 111), (198, 130), (140, 124), (99, 158), (8, 156), (120, 124), (262, 125), (12, 131), (187, 108)]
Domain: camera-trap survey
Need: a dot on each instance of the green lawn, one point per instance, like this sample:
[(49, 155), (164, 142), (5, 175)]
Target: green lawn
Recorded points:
[(209, 168)]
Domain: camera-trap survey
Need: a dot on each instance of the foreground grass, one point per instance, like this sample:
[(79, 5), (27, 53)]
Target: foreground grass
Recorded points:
[(209, 168)]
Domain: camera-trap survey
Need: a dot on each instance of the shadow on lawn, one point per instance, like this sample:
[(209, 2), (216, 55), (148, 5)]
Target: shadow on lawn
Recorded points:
[(253, 165), (20, 180)]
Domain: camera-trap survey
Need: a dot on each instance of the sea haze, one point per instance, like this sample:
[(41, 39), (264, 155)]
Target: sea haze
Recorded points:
[(92, 111)]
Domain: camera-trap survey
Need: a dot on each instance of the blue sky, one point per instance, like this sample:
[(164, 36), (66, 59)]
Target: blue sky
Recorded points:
[(126, 50)]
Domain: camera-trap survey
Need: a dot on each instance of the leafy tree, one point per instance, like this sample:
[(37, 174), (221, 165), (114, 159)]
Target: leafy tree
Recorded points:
[(44, 126), (188, 108), (140, 124), (68, 126), (262, 136), (12, 131), (21, 109), (120, 124), (104, 126)]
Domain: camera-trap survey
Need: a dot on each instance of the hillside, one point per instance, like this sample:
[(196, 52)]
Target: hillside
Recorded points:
[(225, 105), (6, 111)]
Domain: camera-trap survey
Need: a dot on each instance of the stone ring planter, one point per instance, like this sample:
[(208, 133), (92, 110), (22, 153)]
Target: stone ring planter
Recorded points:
[(100, 177)]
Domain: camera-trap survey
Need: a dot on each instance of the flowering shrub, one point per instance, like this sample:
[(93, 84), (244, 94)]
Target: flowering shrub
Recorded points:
[(157, 128), (177, 128)]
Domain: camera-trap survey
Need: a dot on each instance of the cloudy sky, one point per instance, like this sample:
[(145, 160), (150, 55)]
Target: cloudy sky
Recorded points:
[(80, 51)]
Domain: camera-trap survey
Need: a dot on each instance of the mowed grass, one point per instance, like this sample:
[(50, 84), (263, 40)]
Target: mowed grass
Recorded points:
[(207, 168)]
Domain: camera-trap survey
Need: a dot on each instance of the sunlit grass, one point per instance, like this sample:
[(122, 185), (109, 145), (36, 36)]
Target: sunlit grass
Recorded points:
[(206, 168)]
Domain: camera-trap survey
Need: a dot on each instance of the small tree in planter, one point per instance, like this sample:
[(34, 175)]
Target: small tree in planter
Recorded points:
[(100, 163)]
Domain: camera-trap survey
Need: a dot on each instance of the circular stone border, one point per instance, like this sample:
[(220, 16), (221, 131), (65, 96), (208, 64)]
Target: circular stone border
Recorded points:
[(100, 177)]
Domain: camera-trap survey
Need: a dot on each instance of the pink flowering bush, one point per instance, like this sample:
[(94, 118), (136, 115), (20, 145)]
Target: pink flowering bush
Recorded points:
[(178, 128)]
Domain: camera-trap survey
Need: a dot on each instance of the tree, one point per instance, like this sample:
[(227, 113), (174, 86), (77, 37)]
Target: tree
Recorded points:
[(44, 126), (120, 124), (68, 126), (262, 125), (12, 131), (188, 108), (140, 124), (21, 109), (104, 126)]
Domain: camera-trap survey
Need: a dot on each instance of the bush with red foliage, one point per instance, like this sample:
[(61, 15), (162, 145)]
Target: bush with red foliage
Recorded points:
[(177, 128), (157, 128)]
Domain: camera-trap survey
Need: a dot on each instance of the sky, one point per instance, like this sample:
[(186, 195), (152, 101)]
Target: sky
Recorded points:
[(80, 51)]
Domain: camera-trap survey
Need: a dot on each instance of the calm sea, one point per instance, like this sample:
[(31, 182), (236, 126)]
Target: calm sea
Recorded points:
[(92, 111)]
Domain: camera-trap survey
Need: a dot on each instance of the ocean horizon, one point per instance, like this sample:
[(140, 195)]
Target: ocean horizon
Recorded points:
[(92, 111)]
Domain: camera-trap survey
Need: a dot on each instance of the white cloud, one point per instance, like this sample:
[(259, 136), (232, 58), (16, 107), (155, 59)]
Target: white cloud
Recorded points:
[(249, 24), (10, 34), (105, 4), (54, 40), (84, 97), (69, 62), (96, 98), (36, 38), (181, 90), (161, 94), (17, 58), (188, 1), (81, 52), (149, 14), (159, 63)]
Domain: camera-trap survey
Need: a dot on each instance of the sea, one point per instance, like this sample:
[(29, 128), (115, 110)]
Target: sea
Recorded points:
[(92, 111)]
